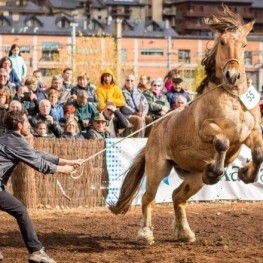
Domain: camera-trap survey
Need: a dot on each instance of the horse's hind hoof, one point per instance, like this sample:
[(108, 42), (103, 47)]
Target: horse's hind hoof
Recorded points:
[(210, 176), (245, 178), (145, 236)]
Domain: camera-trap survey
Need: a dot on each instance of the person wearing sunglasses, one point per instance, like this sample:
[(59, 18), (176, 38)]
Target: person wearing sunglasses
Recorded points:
[(158, 103), (135, 108)]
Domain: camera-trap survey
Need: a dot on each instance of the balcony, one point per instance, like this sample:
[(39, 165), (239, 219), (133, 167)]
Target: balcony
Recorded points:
[(168, 12)]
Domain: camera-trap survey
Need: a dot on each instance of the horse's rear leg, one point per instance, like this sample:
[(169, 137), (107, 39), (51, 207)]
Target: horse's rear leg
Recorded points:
[(155, 173), (190, 186)]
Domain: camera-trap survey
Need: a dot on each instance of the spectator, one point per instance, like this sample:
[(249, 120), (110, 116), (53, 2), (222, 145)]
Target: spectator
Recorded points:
[(56, 109), (144, 85), (18, 62), (67, 79), (41, 86), (5, 85), (108, 91), (180, 103), (41, 130), (136, 107), (28, 100), (6, 63), (4, 101), (116, 121), (168, 79), (15, 149), (249, 82), (176, 91), (85, 110), (15, 105), (158, 103), (71, 129), (98, 128), (84, 84), (36, 92), (44, 115)]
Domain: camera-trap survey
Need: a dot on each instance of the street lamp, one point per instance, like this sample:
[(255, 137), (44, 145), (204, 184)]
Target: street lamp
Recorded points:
[(73, 44)]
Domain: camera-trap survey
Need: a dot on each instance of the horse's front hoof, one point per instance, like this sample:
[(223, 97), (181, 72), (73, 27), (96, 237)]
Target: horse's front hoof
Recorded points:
[(212, 175), (244, 177), (145, 236), (187, 236)]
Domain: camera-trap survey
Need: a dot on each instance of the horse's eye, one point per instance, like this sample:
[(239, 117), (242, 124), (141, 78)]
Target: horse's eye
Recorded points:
[(244, 45), (222, 42)]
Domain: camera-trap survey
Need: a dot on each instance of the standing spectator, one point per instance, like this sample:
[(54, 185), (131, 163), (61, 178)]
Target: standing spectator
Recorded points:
[(98, 128), (84, 84), (15, 149), (176, 91), (71, 129), (85, 110), (44, 115), (4, 101), (158, 103), (6, 63), (5, 85), (56, 109), (116, 121), (67, 79), (136, 107), (41, 85), (18, 62), (108, 91)]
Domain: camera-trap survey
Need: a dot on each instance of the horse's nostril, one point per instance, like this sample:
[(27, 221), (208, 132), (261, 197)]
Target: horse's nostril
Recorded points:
[(227, 75), (238, 76)]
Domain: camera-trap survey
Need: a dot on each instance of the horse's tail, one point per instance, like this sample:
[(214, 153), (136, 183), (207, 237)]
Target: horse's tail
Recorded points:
[(130, 185)]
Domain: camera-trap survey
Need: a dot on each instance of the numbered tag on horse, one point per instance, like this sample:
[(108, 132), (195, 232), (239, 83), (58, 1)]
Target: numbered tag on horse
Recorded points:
[(250, 98)]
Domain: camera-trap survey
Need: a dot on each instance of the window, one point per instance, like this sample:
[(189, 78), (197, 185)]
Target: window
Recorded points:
[(184, 56), (50, 51), (63, 23), (152, 52), (25, 49), (248, 58), (33, 22)]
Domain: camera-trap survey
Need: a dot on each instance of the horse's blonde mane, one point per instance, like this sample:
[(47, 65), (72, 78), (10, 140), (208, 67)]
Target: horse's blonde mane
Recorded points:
[(224, 21)]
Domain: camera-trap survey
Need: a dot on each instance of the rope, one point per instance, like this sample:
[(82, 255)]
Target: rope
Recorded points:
[(83, 161)]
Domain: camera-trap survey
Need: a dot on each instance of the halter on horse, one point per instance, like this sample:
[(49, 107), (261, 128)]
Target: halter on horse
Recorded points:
[(200, 141)]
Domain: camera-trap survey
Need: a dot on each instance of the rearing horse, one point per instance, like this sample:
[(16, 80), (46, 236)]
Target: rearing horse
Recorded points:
[(200, 141)]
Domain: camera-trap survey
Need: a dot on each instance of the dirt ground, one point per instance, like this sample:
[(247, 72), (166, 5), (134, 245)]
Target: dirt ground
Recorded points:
[(227, 232)]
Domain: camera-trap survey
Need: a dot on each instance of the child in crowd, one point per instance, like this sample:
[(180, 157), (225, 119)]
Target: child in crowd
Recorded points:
[(41, 130)]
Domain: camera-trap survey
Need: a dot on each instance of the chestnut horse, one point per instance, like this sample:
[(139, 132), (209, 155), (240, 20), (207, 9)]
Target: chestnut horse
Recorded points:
[(200, 141)]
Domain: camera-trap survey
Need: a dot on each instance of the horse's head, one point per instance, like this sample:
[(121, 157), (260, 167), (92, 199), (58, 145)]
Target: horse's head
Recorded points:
[(229, 46)]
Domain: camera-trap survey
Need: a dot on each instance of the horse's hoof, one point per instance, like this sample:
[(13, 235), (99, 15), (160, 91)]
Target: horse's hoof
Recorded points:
[(145, 236), (188, 237), (245, 178), (210, 176)]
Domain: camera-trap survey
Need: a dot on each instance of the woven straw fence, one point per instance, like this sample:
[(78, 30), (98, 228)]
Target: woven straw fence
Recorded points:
[(36, 190)]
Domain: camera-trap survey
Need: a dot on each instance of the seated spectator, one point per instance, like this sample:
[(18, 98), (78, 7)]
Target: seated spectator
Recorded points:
[(116, 121), (180, 103), (176, 91), (41, 85), (69, 111), (143, 84), (158, 103), (28, 100), (4, 101), (44, 115), (41, 130), (6, 63), (168, 79), (15, 105), (71, 129), (36, 93), (56, 109), (97, 129), (84, 84), (85, 110), (5, 85), (108, 91), (136, 107)]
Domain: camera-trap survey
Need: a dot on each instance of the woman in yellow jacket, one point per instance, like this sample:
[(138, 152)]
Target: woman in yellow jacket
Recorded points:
[(108, 91)]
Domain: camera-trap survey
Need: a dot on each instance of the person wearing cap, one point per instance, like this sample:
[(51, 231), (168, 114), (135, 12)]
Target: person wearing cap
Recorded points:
[(176, 91), (158, 103), (108, 91), (98, 129)]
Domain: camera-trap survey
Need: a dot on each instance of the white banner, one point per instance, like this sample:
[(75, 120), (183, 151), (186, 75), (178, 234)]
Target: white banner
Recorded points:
[(119, 157)]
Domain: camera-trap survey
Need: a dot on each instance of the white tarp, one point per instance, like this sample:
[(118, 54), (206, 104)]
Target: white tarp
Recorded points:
[(119, 157)]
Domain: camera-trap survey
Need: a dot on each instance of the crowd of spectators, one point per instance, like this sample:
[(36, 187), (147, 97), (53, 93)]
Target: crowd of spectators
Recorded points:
[(79, 109)]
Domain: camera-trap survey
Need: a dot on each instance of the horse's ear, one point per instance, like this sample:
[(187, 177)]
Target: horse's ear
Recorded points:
[(248, 27)]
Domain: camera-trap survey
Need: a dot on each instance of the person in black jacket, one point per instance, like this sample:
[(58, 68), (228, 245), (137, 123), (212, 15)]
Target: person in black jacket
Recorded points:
[(13, 150)]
